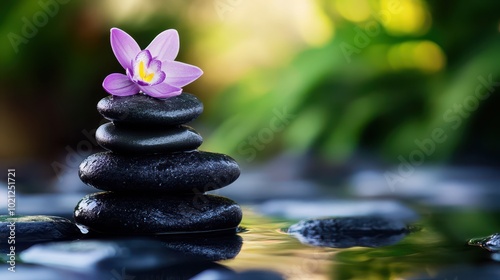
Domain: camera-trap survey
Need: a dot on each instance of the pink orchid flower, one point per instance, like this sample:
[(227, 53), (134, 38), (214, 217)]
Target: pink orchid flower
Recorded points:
[(151, 71)]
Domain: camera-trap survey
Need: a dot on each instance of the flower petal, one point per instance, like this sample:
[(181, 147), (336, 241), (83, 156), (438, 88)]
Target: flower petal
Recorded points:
[(165, 46), (155, 68), (162, 90), (120, 85), (143, 57), (180, 74), (124, 47)]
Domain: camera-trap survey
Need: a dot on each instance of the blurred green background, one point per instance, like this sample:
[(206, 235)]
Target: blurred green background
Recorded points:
[(330, 78)]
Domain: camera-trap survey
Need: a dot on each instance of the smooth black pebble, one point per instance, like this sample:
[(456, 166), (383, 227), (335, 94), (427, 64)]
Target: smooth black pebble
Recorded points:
[(349, 232), (37, 228), (133, 214), (149, 141), (142, 110), (183, 172)]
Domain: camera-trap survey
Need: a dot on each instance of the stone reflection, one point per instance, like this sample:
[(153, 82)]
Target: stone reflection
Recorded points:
[(349, 232), (208, 247), (136, 258)]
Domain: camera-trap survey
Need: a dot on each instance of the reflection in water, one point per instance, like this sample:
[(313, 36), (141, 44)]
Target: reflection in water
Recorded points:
[(347, 240), (213, 248), (438, 245), (349, 232), (438, 249)]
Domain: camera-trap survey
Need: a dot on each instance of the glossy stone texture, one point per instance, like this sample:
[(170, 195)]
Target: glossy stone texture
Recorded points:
[(142, 110), (136, 214), (31, 229), (490, 243), (349, 232), (183, 172), (140, 141)]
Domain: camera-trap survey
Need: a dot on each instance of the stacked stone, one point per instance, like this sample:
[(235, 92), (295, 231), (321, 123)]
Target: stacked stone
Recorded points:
[(153, 176)]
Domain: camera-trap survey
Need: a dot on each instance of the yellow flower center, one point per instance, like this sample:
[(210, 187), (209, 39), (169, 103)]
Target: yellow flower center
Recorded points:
[(145, 76)]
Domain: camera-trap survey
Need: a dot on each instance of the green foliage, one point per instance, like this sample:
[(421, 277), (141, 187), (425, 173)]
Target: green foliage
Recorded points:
[(347, 103)]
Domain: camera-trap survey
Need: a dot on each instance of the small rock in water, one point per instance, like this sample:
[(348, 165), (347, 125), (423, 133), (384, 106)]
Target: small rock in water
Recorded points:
[(94, 255), (490, 243), (122, 213), (31, 229), (349, 232), (184, 172), (139, 141), (144, 110)]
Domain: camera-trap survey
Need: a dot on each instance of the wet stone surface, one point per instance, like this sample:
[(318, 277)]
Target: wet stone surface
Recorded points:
[(140, 141), (148, 111), (349, 232), (490, 243), (31, 229), (119, 213), (184, 172)]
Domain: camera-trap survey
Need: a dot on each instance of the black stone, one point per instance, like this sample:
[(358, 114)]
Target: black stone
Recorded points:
[(490, 243), (31, 229), (144, 110), (135, 254), (184, 172), (120, 213), (147, 141), (349, 232)]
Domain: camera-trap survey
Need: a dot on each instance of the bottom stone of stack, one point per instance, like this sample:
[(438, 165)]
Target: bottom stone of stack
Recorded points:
[(132, 214)]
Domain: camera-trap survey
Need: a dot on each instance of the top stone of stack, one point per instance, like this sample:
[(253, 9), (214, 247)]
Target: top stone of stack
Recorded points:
[(142, 110)]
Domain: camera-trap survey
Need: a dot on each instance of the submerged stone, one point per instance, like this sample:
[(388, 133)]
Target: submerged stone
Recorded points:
[(490, 243), (147, 141), (183, 172), (136, 214), (31, 229), (349, 232), (144, 110)]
